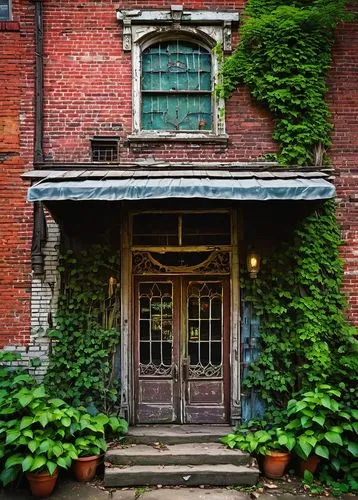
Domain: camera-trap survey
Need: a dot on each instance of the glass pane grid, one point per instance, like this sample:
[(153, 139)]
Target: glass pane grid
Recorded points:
[(155, 328), (179, 68), (204, 338)]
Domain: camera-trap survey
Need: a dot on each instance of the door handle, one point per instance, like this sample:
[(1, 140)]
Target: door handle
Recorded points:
[(175, 372), (185, 368), (186, 363)]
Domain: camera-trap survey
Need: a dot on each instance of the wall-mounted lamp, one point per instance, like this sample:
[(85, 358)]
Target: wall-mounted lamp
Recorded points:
[(253, 263), (112, 283)]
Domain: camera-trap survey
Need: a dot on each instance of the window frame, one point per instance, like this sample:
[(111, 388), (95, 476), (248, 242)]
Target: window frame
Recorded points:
[(145, 36)]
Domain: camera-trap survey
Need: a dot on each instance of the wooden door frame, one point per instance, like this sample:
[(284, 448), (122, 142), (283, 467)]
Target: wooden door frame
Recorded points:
[(127, 315)]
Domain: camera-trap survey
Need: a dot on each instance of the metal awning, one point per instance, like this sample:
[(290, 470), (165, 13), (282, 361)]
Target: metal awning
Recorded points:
[(158, 184)]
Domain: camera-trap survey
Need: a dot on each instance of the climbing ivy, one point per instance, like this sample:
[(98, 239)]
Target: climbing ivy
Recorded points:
[(81, 369), (283, 57), (305, 338)]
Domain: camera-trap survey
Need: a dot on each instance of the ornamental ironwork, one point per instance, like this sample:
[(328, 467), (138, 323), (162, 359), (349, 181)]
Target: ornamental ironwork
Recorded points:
[(154, 370), (208, 371)]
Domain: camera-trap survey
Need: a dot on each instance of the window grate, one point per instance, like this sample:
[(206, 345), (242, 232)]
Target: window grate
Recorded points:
[(104, 150)]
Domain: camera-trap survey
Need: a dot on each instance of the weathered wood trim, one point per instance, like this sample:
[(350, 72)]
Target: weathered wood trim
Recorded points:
[(197, 248), (126, 323), (235, 323)]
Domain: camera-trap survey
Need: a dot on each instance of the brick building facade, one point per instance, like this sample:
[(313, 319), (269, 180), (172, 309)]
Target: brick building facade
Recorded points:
[(87, 97)]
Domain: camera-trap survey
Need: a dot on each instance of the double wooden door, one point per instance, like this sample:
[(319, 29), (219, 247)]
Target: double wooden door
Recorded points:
[(181, 342)]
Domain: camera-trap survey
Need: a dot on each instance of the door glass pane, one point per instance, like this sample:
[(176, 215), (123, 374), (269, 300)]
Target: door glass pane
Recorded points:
[(205, 334), (155, 328)]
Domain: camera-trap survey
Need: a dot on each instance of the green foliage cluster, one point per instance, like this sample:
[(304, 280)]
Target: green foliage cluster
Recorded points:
[(39, 433), (81, 369), (283, 57), (317, 422), (305, 338)]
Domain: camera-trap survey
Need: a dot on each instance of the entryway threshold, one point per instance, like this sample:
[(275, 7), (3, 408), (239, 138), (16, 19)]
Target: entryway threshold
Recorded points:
[(176, 434)]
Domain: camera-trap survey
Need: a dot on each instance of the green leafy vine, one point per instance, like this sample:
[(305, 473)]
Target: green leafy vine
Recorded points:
[(305, 337), (81, 369), (283, 57)]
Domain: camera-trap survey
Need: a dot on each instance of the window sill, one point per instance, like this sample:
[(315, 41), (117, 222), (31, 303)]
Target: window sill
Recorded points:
[(178, 137), (9, 26)]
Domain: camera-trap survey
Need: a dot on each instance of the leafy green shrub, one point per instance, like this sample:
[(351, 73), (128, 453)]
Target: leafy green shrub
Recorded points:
[(13, 377), (315, 422), (40, 433), (323, 425), (90, 432), (34, 433), (261, 441)]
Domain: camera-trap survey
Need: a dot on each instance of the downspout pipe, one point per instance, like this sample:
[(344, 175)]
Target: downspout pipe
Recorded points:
[(39, 234), (39, 50)]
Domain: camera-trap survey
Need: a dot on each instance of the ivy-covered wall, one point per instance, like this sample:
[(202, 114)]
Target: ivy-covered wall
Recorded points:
[(283, 57), (85, 338), (304, 335)]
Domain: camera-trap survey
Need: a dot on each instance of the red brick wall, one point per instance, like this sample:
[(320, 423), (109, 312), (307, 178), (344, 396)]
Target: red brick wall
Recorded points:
[(15, 213), (343, 102), (88, 92), (89, 86)]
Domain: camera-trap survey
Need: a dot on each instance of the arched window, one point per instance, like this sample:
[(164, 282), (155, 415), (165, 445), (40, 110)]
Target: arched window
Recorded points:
[(176, 87)]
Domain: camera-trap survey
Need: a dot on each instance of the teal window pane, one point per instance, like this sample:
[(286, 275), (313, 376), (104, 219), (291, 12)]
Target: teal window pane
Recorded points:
[(169, 70), (176, 112)]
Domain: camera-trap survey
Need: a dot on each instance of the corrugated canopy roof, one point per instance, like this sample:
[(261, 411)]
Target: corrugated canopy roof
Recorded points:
[(140, 184)]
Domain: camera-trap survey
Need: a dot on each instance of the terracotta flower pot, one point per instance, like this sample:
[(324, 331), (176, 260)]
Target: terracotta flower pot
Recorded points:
[(310, 464), (42, 484), (275, 463), (84, 468)]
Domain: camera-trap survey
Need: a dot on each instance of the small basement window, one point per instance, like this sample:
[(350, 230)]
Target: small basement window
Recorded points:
[(104, 149)]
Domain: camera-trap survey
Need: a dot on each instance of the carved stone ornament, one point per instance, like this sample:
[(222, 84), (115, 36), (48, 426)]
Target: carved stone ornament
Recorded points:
[(176, 17)]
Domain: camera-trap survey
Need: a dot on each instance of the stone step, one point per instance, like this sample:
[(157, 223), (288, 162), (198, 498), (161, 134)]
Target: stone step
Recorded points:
[(180, 475), (177, 454), (175, 434)]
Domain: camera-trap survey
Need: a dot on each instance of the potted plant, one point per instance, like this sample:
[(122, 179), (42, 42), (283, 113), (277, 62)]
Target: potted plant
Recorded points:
[(89, 448), (325, 428), (89, 435), (34, 431), (273, 444), (278, 452)]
